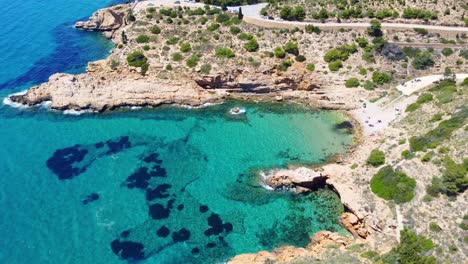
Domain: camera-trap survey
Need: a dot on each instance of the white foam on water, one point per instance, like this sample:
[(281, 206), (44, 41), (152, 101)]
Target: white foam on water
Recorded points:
[(8, 101), (77, 112), (200, 106)]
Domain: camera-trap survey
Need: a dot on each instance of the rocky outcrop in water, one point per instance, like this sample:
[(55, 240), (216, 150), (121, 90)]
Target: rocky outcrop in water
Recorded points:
[(107, 19)]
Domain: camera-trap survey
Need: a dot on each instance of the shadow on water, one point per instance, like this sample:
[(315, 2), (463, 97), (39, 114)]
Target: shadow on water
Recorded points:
[(74, 49)]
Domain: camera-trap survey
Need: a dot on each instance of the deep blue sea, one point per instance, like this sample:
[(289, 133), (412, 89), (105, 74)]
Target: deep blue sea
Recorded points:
[(167, 185)]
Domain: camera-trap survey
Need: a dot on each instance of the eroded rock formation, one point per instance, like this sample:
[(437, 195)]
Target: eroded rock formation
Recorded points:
[(107, 19)]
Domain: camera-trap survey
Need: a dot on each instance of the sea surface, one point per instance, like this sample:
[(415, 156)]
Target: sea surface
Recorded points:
[(165, 185)]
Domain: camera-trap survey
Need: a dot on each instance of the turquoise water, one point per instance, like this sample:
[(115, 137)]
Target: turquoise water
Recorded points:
[(166, 185), (145, 166)]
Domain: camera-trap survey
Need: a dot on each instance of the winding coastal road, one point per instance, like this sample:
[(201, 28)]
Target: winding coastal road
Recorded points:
[(252, 16)]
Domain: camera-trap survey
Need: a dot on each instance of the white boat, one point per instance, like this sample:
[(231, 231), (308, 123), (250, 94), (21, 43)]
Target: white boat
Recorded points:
[(237, 111)]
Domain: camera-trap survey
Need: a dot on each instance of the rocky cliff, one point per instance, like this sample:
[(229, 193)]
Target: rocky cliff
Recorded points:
[(107, 19)]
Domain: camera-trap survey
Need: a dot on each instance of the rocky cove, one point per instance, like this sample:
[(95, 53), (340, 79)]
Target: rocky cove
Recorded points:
[(103, 88), (106, 86)]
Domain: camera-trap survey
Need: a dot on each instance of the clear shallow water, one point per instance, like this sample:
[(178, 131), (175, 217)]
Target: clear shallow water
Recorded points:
[(70, 186), (154, 172)]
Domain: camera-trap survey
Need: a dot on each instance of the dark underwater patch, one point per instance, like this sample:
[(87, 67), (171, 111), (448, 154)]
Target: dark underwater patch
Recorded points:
[(181, 235), (158, 211), (62, 162), (160, 192), (203, 208), (90, 198), (118, 145), (217, 226), (163, 231), (128, 250), (195, 251)]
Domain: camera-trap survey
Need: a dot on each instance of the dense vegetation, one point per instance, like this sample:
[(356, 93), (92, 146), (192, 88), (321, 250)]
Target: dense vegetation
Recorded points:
[(393, 185), (136, 59), (454, 180), (444, 130)]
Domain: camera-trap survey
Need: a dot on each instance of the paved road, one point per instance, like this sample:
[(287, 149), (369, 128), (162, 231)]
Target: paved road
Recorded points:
[(419, 83), (252, 16)]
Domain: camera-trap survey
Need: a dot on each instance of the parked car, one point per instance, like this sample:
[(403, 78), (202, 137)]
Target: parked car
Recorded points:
[(177, 2), (271, 18)]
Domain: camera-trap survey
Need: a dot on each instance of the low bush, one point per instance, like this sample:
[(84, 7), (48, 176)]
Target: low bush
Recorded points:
[(172, 41), (447, 52), (224, 53), (235, 30), (155, 30), (423, 60), (352, 82), (369, 85), (291, 48), (444, 130), (245, 36), (381, 77), (142, 39), (340, 53), (177, 56), (284, 65), (213, 27), (393, 185), (279, 52), (312, 29), (205, 68), (335, 65), (185, 47), (136, 59), (300, 58), (376, 158), (251, 45), (192, 61), (310, 67)]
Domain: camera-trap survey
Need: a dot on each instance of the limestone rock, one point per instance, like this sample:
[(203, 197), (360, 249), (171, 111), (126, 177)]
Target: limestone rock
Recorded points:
[(107, 19)]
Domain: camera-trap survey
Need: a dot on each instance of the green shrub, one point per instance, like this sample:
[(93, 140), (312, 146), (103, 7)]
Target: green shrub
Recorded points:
[(381, 77), (213, 27), (222, 17), (436, 117), (235, 30), (284, 65), (172, 41), (177, 56), (312, 29), (375, 28), (335, 65), (136, 59), (447, 52), (376, 158), (412, 249), (427, 157), (291, 48), (310, 67), (142, 39), (205, 68), (340, 53), (421, 31), (352, 82), (114, 64), (185, 47), (155, 30), (393, 185), (279, 52), (369, 85), (245, 36), (362, 42), (407, 154), (362, 71), (224, 53), (192, 61), (443, 131), (401, 141), (169, 67), (454, 178), (251, 45), (423, 60), (144, 68), (300, 58)]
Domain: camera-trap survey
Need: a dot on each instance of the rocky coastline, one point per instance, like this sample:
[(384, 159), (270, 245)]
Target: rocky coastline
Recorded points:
[(104, 88)]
